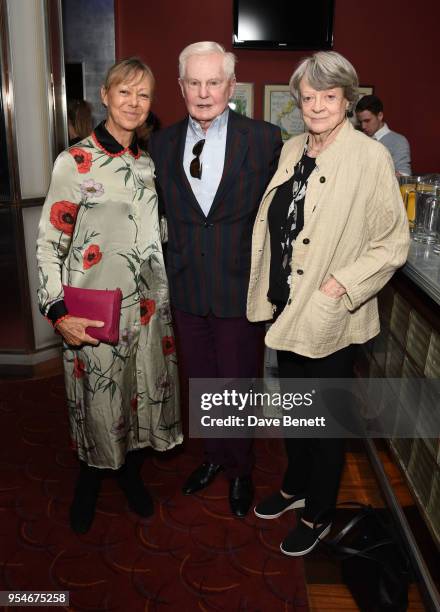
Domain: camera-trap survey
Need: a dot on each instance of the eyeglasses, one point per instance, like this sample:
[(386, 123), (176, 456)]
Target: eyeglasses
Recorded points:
[(195, 167)]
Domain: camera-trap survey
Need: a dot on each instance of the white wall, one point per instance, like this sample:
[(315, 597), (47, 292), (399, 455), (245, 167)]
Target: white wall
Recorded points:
[(27, 36)]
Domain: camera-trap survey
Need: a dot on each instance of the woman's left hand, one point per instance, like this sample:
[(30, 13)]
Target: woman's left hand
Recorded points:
[(332, 288)]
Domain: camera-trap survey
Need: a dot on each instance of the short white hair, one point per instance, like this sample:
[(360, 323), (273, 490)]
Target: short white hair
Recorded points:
[(208, 47)]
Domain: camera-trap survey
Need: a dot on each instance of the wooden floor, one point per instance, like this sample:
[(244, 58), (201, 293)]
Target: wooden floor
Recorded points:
[(325, 589), (338, 599)]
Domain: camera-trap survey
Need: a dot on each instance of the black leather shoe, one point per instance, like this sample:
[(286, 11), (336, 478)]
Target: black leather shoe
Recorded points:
[(201, 478), (241, 493)]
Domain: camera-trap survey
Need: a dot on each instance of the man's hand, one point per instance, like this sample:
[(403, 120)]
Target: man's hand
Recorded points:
[(73, 330)]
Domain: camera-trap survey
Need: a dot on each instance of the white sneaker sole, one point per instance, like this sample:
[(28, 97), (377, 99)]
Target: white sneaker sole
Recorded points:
[(304, 552), (298, 503)]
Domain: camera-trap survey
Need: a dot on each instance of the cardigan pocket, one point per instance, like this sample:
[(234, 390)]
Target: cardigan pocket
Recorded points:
[(328, 318)]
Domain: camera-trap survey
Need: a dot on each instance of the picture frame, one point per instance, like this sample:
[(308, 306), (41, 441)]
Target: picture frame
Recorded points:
[(242, 102), (363, 90), (281, 110)]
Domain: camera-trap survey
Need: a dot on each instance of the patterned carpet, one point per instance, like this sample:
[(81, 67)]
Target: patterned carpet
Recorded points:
[(192, 555)]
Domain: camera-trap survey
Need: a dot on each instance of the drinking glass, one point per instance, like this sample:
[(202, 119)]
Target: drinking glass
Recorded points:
[(432, 219), (424, 191), (432, 216), (407, 186), (433, 177)]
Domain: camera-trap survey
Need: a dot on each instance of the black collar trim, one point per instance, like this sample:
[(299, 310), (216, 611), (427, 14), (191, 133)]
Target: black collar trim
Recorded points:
[(105, 141)]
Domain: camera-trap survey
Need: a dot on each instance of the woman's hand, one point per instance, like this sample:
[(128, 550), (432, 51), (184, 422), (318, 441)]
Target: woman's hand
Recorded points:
[(73, 330), (332, 288)]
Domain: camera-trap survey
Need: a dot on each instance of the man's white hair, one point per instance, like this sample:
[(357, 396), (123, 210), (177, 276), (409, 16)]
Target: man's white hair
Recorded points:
[(208, 47)]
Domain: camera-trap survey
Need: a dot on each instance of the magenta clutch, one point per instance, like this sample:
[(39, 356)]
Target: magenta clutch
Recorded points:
[(97, 305)]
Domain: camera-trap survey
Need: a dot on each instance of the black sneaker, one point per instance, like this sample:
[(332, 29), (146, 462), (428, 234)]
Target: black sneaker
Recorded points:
[(274, 506), (303, 539)]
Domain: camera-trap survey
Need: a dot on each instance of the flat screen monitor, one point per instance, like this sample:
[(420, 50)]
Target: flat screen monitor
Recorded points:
[(283, 24)]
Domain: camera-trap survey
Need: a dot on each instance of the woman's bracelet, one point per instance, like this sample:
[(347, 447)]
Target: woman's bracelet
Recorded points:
[(66, 316)]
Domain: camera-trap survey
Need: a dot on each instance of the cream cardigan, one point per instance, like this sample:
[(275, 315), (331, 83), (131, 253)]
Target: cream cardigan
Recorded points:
[(355, 229)]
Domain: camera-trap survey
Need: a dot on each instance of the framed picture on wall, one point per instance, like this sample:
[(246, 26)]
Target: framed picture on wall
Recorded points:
[(281, 110), (363, 90), (242, 101)]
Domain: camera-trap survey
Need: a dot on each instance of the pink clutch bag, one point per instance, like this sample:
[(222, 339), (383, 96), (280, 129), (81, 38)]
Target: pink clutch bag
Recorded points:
[(97, 305)]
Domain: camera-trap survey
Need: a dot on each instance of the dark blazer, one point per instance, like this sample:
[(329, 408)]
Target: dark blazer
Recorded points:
[(209, 257)]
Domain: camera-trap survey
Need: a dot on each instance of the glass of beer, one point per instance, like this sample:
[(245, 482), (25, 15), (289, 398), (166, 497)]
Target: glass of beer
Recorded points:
[(407, 186)]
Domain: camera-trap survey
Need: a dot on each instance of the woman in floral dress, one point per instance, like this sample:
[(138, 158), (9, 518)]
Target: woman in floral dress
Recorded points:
[(99, 229)]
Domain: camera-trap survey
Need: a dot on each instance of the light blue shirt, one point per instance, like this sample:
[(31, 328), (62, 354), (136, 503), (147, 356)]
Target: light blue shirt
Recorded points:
[(212, 158)]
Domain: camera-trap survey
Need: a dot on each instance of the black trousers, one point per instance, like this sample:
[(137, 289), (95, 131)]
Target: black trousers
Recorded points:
[(315, 464)]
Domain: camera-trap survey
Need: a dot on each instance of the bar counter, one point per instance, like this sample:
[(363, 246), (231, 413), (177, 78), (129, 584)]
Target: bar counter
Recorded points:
[(408, 346), (423, 268)]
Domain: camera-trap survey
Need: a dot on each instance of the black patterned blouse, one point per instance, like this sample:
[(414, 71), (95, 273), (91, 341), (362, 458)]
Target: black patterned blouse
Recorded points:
[(286, 220)]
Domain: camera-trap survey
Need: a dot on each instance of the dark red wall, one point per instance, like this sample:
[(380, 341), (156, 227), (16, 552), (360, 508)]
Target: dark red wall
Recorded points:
[(394, 45)]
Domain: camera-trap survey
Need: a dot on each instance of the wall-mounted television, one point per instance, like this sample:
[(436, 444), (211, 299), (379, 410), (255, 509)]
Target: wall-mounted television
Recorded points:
[(283, 24)]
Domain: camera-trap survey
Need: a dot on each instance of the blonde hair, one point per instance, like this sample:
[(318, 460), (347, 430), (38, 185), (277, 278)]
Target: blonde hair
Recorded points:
[(126, 70), (208, 47), (325, 70)]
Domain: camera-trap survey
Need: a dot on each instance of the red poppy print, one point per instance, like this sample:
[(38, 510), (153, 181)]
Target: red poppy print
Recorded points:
[(82, 158), (168, 345), (118, 426), (78, 368), (92, 256), (148, 308), (63, 216), (134, 404)]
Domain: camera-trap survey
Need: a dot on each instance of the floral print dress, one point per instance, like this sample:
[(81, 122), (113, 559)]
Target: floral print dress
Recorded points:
[(99, 229)]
